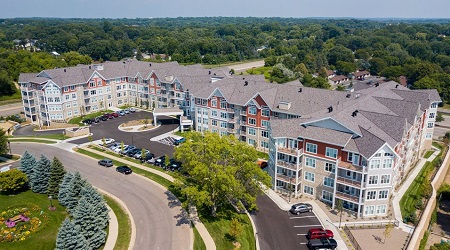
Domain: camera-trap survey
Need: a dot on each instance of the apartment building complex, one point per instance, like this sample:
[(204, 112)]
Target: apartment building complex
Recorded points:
[(330, 145)]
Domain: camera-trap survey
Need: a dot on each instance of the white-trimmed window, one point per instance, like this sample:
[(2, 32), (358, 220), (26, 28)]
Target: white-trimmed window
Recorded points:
[(353, 158), (251, 121), (308, 190), (431, 115), (385, 179), (328, 182), (381, 209), (251, 142), (223, 115), (264, 123), (434, 105), (311, 148), (428, 135), (430, 125), (214, 122), (369, 210), (265, 112), (265, 133), (251, 131), (214, 103), (223, 124), (223, 104), (214, 113), (371, 195), (375, 164), (383, 194), (327, 196), (331, 152), (373, 179), (309, 176), (264, 144), (330, 167), (387, 163), (252, 110), (310, 162)]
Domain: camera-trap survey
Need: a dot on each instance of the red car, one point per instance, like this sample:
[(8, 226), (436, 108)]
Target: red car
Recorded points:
[(317, 233), (115, 114)]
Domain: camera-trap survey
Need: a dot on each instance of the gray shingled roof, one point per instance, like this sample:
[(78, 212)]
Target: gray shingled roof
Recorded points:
[(368, 144)]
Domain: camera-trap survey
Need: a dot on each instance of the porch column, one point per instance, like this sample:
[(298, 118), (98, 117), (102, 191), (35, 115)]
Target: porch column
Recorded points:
[(154, 118)]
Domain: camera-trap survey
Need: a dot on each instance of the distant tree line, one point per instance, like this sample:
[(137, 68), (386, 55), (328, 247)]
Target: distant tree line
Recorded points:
[(417, 49)]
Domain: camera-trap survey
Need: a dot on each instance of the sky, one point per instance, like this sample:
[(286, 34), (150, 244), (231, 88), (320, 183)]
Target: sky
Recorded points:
[(234, 8)]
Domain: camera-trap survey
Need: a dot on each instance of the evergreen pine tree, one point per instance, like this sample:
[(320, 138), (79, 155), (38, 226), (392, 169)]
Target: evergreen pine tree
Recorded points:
[(100, 210), (27, 163), (56, 176), (64, 189), (75, 186), (40, 175), (70, 237)]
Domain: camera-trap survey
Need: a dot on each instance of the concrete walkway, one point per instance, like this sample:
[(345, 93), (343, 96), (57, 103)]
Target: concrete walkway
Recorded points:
[(317, 210), (207, 239), (399, 194)]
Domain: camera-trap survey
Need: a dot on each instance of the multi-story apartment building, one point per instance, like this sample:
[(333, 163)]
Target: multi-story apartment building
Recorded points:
[(330, 145)]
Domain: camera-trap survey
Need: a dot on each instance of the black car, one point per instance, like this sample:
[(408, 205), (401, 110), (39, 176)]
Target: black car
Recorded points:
[(173, 165), (124, 170), (87, 121), (104, 118), (161, 161), (134, 151), (97, 119), (105, 162), (322, 243), (148, 157)]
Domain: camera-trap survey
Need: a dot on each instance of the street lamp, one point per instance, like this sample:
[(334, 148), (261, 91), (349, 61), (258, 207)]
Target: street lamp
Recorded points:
[(52, 208), (9, 146), (290, 189)]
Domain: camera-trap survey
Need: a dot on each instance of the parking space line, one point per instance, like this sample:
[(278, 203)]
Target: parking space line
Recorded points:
[(302, 234), (299, 217), (309, 226), (303, 243)]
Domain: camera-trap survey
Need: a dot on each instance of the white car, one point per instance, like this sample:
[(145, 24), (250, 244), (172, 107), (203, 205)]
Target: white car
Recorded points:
[(107, 141), (5, 168), (119, 148)]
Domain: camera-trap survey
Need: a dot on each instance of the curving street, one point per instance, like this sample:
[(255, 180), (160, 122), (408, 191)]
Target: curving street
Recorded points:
[(159, 219)]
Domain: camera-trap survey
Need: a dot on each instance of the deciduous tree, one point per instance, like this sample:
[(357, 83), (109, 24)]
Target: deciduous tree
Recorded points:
[(12, 181), (221, 170)]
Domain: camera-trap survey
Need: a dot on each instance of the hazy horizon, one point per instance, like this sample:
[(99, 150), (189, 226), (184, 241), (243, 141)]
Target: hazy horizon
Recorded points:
[(361, 9)]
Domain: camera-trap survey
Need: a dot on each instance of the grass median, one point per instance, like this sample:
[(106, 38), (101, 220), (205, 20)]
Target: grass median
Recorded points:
[(124, 236), (198, 241), (32, 140)]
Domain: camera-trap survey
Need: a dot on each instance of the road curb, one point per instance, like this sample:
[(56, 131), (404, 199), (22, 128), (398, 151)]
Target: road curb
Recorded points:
[(133, 225), (255, 233)]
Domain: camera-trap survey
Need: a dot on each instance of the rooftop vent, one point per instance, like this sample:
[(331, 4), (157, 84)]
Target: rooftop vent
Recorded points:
[(377, 84), (284, 105), (209, 72), (149, 64), (355, 113), (396, 86), (90, 67), (357, 96), (214, 73), (65, 70), (348, 95), (124, 62), (330, 109), (245, 83), (300, 90)]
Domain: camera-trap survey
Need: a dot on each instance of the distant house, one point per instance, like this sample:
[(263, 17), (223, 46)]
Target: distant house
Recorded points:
[(340, 79), (403, 81), (360, 75), (330, 73), (55, 53)]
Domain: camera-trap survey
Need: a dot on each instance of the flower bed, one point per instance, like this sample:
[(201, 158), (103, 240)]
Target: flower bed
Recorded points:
[(19, 223)]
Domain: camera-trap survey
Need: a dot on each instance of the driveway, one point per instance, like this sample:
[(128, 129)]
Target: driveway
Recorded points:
[(160, 223), (109, 129), (278, 229)]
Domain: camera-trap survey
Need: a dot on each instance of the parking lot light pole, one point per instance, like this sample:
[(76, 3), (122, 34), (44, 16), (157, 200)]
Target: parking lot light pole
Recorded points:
[(9, 146), (290, 189)]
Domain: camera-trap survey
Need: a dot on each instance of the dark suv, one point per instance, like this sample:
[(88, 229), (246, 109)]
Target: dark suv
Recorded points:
[(124, 170), (301, 208)]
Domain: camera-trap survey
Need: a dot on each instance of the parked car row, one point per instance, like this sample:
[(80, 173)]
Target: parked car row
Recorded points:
[(171, 165), (131, 151), (108, 116)]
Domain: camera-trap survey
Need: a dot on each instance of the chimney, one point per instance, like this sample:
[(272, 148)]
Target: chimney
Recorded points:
[(355, 113), (300, 90), (330, 109), (245, 83)]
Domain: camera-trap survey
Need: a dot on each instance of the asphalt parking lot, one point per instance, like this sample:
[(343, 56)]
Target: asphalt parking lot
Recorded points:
[(278, 229), (109, 129)]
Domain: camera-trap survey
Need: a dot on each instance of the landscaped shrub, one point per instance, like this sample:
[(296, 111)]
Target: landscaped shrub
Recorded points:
[(12, 181)]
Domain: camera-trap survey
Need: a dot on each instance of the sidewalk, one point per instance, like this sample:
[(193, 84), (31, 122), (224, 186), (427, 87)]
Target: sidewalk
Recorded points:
[(317, 210), (399, 194), (207, 239)]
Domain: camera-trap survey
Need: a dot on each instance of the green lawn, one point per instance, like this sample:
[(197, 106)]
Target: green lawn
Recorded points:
[(219, 229), (45, 237), (198, 241), (31, 140), (47, 136), (428, 154), (124, 237), (8, 99)]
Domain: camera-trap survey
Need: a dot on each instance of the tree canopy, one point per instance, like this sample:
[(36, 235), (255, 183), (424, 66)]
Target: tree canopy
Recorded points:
[(221, 170)]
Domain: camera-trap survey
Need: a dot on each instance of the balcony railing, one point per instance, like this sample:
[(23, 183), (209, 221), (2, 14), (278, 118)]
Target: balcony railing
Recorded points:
[(350, 166), (231, 130), (230, 110), (290, 151), (243, 113), (348, 197), (289, 165), (347, 181), (289, 179)]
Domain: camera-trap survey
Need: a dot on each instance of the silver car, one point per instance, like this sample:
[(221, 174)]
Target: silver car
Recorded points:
[(301, 208)]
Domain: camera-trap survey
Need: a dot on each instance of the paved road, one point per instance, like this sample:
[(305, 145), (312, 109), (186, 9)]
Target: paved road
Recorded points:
[(245, 66), (11, 109), (109, 129), (158, 217), (278, 229)]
